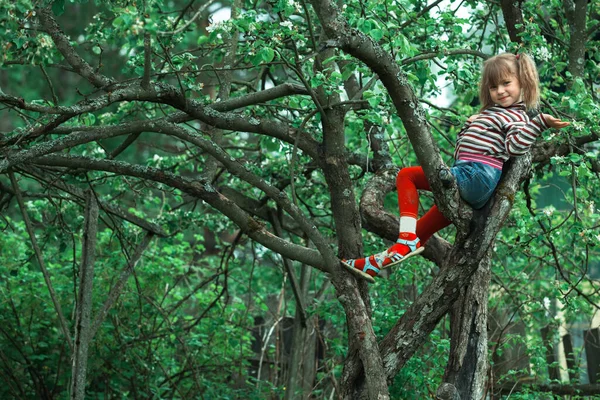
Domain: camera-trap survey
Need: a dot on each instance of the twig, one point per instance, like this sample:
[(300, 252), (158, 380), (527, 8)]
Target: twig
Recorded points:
[(38, 254), (54, 97), (116, 290), (147, 61), (200, 11)]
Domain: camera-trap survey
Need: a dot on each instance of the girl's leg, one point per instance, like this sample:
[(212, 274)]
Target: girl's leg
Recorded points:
[(408, 181), (430, 223)]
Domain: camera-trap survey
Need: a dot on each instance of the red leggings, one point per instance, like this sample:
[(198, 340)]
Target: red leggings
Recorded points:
[(407, 182)]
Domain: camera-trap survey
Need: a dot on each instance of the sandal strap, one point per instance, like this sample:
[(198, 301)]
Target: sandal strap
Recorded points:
[(369, 266), (412, 244)]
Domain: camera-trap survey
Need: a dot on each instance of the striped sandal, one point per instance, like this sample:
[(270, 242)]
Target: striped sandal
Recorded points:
[(401, 250), (366, 268)]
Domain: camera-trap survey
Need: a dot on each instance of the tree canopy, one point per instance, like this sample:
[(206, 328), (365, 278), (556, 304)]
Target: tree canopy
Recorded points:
[(178, 180)]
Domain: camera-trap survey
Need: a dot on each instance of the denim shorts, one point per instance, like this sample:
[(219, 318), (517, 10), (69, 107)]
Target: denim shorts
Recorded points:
[(476, 181)]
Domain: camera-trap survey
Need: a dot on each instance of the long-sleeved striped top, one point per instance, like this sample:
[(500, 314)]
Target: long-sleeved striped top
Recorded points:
[(497, 134)]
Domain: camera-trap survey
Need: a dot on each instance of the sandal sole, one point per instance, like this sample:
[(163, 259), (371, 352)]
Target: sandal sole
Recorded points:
[(409, 255), (359, 273)]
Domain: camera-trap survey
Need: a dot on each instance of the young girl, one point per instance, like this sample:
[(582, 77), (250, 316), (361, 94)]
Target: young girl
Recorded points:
[(508, 92)]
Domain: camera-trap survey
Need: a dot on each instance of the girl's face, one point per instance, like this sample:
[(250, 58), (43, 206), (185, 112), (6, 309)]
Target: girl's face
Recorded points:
[(506, 92)]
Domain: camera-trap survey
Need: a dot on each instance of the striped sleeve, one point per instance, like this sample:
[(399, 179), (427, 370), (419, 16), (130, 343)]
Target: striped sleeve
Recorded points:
[(521, 132)]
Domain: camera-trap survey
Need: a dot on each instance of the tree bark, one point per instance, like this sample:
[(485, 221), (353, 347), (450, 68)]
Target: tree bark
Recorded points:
[(302, 361), (467, 365), (511, 10), (576, 11), (84, 299)]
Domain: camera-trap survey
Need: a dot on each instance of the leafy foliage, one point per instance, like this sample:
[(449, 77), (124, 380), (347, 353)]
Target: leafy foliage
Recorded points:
[(185, 323)]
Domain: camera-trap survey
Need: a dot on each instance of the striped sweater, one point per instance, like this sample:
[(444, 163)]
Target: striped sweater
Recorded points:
[(497, 134)]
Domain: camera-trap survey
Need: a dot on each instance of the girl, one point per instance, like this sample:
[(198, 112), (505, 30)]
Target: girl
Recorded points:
[(508, 92)]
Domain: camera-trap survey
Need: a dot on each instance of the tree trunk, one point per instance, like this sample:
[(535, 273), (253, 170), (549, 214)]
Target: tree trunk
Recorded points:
[(467, 366), (84, 299), (302, 361)]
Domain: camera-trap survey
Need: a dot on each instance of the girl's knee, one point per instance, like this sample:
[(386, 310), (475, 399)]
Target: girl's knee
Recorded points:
[(410, 173)]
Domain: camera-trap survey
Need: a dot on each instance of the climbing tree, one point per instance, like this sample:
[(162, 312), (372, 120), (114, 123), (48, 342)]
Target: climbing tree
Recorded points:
[(179, 180)]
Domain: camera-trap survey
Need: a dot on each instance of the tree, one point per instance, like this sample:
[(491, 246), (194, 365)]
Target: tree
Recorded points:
[(271, 126)]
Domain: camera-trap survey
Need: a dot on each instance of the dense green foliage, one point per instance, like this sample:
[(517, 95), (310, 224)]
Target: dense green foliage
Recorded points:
[(184, 325)]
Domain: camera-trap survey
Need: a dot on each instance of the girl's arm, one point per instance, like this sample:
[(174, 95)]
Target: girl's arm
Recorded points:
[(522, 134), (555, 122)]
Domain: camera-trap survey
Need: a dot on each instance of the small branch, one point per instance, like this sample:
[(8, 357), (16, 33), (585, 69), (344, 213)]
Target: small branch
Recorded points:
[(557, 389), (126, 143), (422, 12), (190, 21), (456, 52), (106, 207), (116, 290), (54, 97), (38, 254), (147, 61), (300, 307)]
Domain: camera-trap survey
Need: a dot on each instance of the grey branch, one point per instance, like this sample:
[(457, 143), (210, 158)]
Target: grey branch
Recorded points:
[(116, 290), (203, 191), (84, 299), (63, 45), (106, 207)]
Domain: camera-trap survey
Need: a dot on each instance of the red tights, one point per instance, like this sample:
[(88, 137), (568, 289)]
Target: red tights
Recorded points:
[(407, 182)]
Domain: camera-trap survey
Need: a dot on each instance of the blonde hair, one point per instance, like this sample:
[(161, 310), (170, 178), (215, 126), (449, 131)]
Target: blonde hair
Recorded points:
[(503, 66)]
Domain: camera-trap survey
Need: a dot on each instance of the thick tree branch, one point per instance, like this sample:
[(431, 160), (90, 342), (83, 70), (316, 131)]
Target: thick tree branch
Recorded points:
[(203, 191), (407, 105), (576, 11), (161, 93), (63, 45), (511, 10), (424, 314)]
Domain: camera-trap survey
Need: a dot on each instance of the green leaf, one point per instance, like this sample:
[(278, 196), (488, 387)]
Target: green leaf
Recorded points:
[(267, 54), (58, 7), (376, 34), (202, 39), (118, 22)]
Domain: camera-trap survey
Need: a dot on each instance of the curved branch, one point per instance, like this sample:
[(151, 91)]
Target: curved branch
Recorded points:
[(201, 190), (455, 52), (108, 208), (161, 93), (63, 45), (406, 103)]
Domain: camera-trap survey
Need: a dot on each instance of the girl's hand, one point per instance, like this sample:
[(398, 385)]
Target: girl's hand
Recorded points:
[(555, 122), (472, 118)]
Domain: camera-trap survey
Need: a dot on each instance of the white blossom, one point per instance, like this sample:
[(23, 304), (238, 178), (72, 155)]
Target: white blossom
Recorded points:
[(287, 24), (214, 26), (543, 53)]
